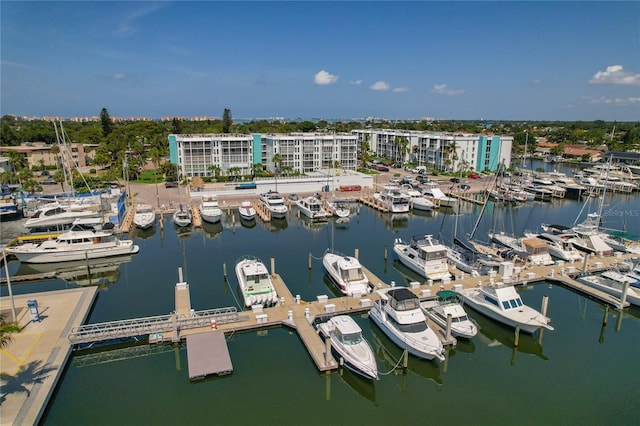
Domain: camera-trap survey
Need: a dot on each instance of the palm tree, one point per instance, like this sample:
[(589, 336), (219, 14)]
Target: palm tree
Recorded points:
[(277, 161), (216, 170), (6, 329), (257, 169)]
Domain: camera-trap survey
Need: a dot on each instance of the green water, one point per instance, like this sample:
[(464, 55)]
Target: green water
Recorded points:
[(580, 374)]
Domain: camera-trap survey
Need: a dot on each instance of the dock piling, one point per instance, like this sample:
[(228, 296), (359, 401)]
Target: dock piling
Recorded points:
[(385, 252), (356, 253), (449, 321), (605, 319), (309, 261), (224, 270), (516, 339), (273, 267)]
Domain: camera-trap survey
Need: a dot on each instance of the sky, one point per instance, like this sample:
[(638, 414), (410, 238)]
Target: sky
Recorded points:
[(313, 60)]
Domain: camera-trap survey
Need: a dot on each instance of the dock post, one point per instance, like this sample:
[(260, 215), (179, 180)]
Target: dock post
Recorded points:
[(449, 321), (606, 315), (545, 304), (273, 267), (405, 360), (516, 339), (584, 263), (180, 274), (385, 252), (625, 289), (309, 261), (224, 269), (357, 253), (327, 351)]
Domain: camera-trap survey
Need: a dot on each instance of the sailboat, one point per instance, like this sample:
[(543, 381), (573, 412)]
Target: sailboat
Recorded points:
[(182, 216)]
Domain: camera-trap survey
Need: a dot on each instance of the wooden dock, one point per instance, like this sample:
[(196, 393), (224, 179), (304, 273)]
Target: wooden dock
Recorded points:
[(208, 354), (368, 199)]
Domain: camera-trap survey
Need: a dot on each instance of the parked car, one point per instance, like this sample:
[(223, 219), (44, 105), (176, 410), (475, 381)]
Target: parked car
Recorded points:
[(474, 176), (48, 181), (454, 180), (394, 180), (171, 184), (293, 197), (464, 186)]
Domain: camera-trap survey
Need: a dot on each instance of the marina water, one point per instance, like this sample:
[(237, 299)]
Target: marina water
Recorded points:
[(581, 373)]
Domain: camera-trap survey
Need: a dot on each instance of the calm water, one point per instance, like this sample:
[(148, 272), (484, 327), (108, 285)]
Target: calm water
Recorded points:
[(582, 373)]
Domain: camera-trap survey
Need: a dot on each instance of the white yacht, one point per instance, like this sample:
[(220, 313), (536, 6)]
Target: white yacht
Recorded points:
[(417, 201), (349, 344), (182, 216), (247, 211), (612, 282), (255, 282), (424, 255), (274, 203), (346, 273), (398, 314), (504, 305), (56, 216), (74, 245), (340, 208), (560, 247), (392, 199), (311, 207), (443, 200), (447, 303), (537, 250), (588, 237), (209, 209), (144, 216)]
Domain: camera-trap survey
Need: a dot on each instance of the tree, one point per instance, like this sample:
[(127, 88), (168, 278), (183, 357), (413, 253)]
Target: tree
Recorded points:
[(216, 170), (277, 161), (6, 329), (176, 126), (226, 120), (257, 169), (105, 120)]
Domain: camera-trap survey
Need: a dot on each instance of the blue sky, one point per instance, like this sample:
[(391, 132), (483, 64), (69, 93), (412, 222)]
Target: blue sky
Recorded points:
[(395, 60)]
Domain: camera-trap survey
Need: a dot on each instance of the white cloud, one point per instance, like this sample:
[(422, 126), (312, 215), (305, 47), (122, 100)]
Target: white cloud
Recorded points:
[(127, 25), (444, 90), (118, 76), (400, 89), (536, 82), (356, 82), (615, 74), (612, 101), (380, 85), (323, 78)]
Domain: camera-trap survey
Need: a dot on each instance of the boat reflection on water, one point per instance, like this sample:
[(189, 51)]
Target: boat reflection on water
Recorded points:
[(248, 223), (144, 233), (409, 275), (277, 224), (494, 334), (391, 355), (395, 221), (212, 230), (91, 272), (310, 224), (364, 387)]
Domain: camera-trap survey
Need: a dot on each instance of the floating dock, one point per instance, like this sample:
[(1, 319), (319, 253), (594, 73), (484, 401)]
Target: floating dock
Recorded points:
[(207, 355)]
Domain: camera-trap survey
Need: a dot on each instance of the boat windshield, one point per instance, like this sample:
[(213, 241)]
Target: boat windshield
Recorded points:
[(512, 304), (257, 278), (352, 274), (351, 338), (415, 327), (405, 304)]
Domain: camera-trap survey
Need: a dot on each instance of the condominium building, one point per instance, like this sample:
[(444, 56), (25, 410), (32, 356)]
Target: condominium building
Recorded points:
[(442, 151), (228, 154)]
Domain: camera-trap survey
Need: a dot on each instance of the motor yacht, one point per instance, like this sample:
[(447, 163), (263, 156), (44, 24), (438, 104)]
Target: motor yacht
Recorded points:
[(350, 346), (346, 273), (144, 216), (613, 282), (504, 305), (447, 303), (393, 199), (311, 207), (209, 209), (424, 255), (247, 211), (274, 203), (255, 282), (398, 314)]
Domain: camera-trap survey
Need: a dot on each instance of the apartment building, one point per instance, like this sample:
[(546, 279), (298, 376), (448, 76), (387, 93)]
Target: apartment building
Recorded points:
[(202, 154), (38, 154), (442, 151)]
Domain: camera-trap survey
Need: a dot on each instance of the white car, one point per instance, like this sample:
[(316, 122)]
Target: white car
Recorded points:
[(394, 180)]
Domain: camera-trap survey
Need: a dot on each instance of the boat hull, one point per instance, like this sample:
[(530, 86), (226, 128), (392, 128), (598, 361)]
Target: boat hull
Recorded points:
[(95, 251)]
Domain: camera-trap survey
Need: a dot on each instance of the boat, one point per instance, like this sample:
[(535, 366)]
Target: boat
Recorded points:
[(398, 314), (392, 199), (443, 199), (504, 305), (56, 216), (274, 203), (346, 273), (448, 304), (74, 245), (588, 237), (8, 203), (340, 208), (255, 282), (246, 211), (534, 249), (144, 216), (560, 246), (351, 347), (209, 209), (424, 255), (182, 216), (613, 282), (311, 207), (417, 201)]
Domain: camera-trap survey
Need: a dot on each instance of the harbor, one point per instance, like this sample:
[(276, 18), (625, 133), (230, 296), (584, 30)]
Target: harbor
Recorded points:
[(204, 258)]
